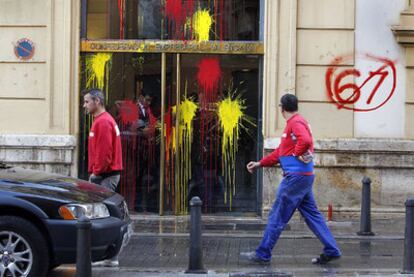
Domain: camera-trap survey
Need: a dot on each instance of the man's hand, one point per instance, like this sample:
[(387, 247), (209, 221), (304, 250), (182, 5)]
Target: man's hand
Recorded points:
[(300, 158), (306, 158), (252, 166), (95, 179)]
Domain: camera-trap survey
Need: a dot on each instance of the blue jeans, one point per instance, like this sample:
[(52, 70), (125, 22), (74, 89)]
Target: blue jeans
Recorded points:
[(295, 192)]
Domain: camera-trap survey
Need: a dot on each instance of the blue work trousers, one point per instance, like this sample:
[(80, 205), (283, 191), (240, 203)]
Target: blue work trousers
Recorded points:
[(295, 192)]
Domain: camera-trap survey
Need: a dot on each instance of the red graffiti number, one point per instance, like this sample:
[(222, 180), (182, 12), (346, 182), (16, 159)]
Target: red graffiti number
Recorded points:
[(350, 95)]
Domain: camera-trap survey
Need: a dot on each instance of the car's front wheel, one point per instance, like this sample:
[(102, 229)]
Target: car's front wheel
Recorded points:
[(23, 249)]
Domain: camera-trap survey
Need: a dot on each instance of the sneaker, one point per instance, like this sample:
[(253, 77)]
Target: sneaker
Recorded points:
[(324, 259), (252, 257), (106, 263)]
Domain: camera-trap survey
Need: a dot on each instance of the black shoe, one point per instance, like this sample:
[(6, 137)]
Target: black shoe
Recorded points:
[(324, 259), (252, 257)]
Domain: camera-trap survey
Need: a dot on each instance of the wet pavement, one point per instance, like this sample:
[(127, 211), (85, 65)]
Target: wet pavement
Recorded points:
[(294, 255), (253, 226), (160, 246)]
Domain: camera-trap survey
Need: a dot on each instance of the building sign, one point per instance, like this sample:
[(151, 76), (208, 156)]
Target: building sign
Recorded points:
[(24, 49), (173, 46)]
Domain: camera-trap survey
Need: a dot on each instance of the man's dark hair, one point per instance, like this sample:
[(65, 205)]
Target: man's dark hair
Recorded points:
[(289, 102), (95, 94)]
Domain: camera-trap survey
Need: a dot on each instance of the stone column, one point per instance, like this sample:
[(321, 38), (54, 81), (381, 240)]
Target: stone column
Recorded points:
[(404, 33), (279, 61), (279, 77)]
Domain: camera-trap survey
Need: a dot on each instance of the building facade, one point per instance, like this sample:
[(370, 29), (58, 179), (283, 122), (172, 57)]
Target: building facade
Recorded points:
[(195, 85)]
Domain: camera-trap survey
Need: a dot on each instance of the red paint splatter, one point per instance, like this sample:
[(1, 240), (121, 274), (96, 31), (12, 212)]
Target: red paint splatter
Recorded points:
[(208, 77), (174, 10), (178, 11), (130, 161), (128, 112), (219, 10), (335, 89), (138, 151), (174, 13), (189, 7), (121, 10)]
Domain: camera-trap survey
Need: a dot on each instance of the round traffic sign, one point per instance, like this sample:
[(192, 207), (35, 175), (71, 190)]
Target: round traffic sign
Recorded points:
[(24, 49)]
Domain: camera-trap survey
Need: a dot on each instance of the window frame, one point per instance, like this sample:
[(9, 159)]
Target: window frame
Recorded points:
[(179, 47)]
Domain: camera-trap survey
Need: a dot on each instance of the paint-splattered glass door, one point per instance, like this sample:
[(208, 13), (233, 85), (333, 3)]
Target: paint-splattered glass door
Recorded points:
[(132, 85), (216, 119), (183, 81)]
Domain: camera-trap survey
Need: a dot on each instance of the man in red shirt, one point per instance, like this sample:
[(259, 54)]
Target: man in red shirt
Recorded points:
[(295, 156), (104, 149), (104, 144)]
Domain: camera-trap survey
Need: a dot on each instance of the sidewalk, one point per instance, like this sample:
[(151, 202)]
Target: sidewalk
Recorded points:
[(253, 227), (160, 246)]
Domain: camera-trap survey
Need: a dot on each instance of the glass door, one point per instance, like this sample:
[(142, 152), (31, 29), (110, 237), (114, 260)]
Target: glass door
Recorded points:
[(171, 151), (132, 84), (216, 118), (183, 80)]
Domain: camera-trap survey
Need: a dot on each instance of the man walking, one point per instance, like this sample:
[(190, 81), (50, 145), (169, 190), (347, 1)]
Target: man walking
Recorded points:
[(104, 149), (295, 155)]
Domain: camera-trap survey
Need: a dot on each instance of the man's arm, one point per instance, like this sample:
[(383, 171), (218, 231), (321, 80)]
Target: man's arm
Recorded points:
[(304, 139), (103, 144), (271, 159)]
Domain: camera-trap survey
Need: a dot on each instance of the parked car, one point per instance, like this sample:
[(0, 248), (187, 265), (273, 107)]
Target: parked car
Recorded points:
[(38, 215)]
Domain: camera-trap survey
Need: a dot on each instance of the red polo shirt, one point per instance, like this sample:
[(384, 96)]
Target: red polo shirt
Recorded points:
[(295, 141), (104, 146)]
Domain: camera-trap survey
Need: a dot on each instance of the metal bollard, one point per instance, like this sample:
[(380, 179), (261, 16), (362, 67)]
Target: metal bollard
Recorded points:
[(408, 265), (365, 229), (83, 248), (196, 250)]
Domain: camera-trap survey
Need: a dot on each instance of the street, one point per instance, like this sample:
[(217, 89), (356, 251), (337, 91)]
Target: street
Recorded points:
[(166, 254)]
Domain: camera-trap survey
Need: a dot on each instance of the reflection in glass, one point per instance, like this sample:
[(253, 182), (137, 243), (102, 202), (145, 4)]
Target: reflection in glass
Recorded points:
[(173, 19), (133, 90), (209, 134), (212, 146)]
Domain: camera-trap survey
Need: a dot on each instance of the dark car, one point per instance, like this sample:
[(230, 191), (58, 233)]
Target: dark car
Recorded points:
[(38, 213)]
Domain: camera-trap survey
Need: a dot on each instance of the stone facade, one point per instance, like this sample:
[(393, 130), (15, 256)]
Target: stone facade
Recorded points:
[(303, 38), (39, 98), (342, 163), (404, 33), (52, 153)]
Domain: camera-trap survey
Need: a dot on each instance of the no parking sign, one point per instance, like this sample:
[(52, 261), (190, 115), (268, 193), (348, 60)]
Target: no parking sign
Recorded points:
[(24, 49)]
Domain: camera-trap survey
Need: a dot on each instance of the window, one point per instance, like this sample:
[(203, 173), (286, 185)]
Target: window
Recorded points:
[(175, 19)]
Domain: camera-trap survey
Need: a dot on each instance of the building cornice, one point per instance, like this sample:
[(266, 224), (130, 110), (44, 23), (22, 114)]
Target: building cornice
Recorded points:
[(404, 32)]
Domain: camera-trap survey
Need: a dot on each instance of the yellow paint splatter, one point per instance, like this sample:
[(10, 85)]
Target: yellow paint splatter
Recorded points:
[(141, 48), (97, 69), (202, 22), (231, 115), (188, 109), (180, 144)]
